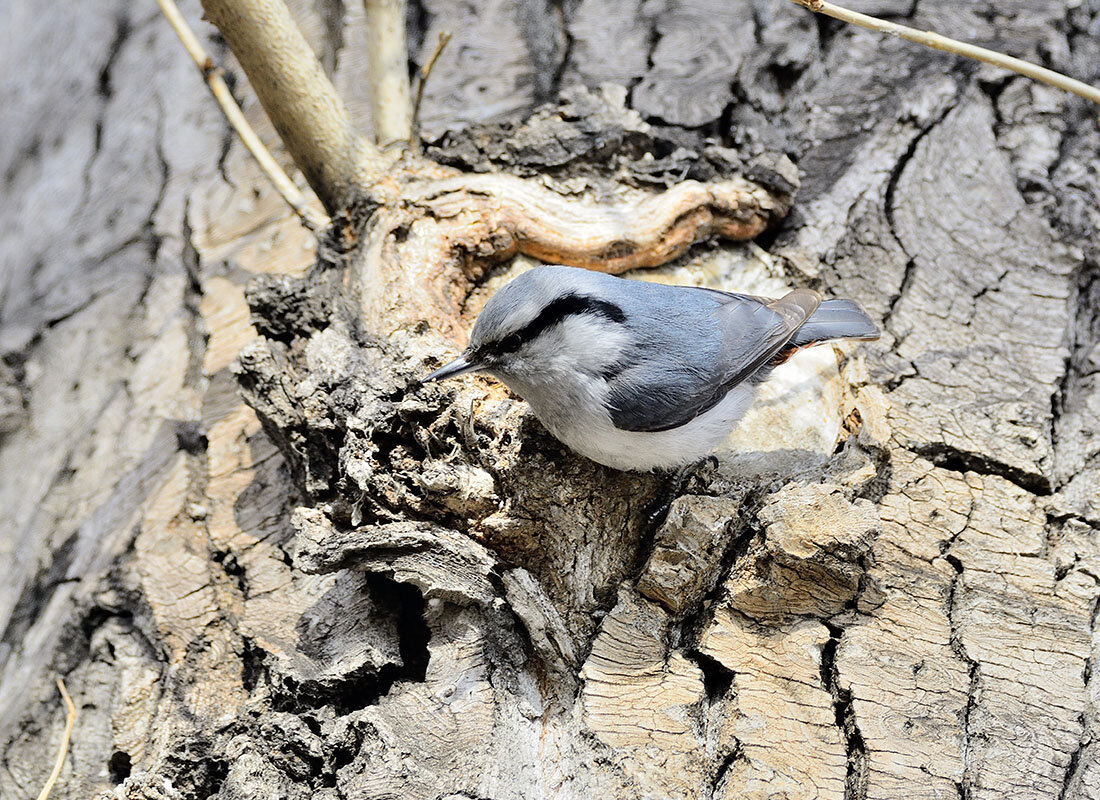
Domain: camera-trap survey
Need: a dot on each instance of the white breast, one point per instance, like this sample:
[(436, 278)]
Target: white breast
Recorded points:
[(595, 436), (636, 450)]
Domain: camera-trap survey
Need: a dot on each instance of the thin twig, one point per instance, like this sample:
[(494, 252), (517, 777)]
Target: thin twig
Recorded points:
[(421, 79), (218, 87), (938, 42), (63, 749)]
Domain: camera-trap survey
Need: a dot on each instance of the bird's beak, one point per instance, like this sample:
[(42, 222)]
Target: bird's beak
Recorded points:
[(460, 366)]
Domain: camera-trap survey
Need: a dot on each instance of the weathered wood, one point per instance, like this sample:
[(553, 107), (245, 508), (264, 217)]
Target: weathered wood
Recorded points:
[(700, 45), (351, 587), (496, 65)]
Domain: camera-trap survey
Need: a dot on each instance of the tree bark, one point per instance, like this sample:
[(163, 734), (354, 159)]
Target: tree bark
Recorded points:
[(268, 565)]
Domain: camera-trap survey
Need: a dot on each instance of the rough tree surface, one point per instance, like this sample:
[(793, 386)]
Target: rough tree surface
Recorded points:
[(267, 568)]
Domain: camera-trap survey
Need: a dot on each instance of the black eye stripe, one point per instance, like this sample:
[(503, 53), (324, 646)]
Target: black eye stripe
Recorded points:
[(555, 311)]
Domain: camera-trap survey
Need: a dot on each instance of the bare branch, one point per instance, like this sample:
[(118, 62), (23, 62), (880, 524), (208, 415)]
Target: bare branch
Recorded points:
[(213, 76), (298, 97), (938, 42), (388, 70), (63, 748), (421, 79)]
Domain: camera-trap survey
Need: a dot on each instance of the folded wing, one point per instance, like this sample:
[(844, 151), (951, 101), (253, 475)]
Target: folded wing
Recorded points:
[(663, 390)]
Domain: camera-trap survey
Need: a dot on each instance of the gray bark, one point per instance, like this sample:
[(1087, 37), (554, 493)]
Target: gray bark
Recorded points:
[(267, 567)]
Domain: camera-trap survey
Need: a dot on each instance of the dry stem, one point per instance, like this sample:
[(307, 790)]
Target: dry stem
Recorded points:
[(938, 42), (213, 76), (299, 98), (63, 748), (421, 79), (388, 70)]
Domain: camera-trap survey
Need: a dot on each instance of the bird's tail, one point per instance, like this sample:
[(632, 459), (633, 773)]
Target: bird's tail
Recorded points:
[(835, 319)]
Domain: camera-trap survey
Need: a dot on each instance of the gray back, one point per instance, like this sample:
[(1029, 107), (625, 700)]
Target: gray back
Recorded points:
[(688, 346)]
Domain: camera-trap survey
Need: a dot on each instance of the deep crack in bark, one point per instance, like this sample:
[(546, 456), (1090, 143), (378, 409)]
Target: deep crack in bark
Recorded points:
[(959, 649), (855, 782)]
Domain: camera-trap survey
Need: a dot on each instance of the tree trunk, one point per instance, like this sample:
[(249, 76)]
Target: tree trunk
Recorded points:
[(268, 564)]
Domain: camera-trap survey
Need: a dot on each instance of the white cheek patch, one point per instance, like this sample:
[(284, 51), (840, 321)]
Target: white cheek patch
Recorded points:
[(588, 340)]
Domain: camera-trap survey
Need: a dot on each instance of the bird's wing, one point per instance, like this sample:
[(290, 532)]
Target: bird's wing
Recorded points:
[(724, 297), (665, 389)]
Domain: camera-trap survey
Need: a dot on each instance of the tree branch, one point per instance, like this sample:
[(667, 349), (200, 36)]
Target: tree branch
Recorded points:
[(388, 70), (934, 40), (233, 114), (298, 97)]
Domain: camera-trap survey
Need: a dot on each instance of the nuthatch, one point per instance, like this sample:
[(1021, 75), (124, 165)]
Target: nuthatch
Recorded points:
[(639, 375)]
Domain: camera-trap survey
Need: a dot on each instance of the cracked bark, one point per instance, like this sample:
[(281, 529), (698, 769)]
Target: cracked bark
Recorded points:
[(362, 591)]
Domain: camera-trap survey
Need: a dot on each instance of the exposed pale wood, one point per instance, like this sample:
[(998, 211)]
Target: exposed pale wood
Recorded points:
[(493, 217)]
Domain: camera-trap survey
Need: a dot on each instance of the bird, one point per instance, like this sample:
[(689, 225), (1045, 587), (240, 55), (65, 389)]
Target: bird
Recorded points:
[(641, 376)]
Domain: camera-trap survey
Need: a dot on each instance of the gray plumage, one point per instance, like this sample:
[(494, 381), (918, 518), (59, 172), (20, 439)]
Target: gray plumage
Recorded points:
[(835, 319), (639, 375)]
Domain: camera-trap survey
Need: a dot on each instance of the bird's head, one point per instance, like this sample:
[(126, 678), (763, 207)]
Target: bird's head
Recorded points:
[(546, 320)]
